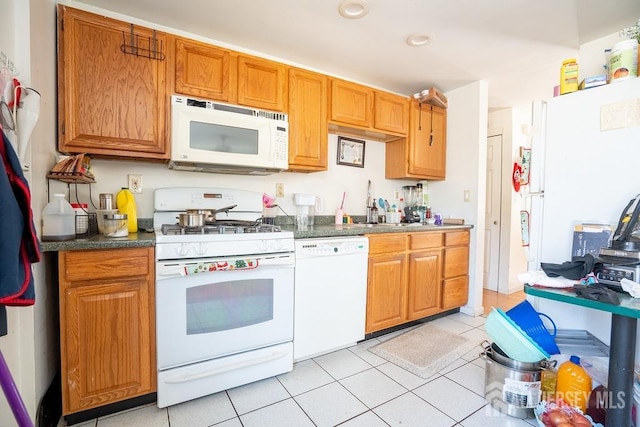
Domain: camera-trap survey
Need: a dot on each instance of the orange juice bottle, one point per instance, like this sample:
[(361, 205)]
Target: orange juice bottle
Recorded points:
[(573, 384)]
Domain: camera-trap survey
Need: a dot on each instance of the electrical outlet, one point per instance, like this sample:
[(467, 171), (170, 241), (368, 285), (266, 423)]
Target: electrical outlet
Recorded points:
[(135, 183), (279, 190)]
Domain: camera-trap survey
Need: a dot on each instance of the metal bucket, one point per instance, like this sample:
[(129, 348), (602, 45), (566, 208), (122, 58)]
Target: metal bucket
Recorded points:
[(512, 387)]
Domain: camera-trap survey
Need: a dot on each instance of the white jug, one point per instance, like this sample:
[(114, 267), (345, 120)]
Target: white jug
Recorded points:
[(307, 205), (58, 220)]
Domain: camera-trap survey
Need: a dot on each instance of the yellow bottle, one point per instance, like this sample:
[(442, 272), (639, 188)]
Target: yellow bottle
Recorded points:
[(568, 76), (573, 384), (126, 204)]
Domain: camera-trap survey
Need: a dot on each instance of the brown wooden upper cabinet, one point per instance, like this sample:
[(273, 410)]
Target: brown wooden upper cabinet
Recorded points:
[(377, 114), (109, 102), (307, 121), (423, 154), (203, 70), (262, 83), (390, 112), (351, 104), (211, 72)]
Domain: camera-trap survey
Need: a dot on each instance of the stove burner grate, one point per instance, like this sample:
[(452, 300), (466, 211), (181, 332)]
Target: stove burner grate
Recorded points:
[(227, 227)]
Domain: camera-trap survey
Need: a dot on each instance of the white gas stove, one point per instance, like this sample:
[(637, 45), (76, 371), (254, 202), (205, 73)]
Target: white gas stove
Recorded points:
[(239, 231), (224, 294)]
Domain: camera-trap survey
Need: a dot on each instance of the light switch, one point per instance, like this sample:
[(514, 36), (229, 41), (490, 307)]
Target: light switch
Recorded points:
[(467, 196)]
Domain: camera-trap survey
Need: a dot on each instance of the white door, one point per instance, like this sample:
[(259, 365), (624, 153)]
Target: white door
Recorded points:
[(492, 213)]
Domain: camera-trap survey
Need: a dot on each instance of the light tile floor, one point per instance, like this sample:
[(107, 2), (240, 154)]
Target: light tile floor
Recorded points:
[(350, 387)]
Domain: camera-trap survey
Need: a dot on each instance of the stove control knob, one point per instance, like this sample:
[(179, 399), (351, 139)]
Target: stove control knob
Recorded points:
[(202, 249), (277, 245), (183, 249), (263, 245)]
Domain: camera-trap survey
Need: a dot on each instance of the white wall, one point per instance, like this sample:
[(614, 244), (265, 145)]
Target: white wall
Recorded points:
[(508, 122), (329, 185), (466, 170)]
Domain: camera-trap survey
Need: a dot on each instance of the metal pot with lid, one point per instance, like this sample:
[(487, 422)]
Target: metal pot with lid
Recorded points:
[(511, 386), (494, 352), (191, 219), (210, 214)]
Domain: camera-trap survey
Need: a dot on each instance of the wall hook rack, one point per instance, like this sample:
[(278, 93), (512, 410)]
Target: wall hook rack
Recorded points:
[(152, 50)]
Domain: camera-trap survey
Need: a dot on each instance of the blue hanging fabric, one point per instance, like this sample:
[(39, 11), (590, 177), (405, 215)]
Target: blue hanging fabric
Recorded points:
[(19, 246)]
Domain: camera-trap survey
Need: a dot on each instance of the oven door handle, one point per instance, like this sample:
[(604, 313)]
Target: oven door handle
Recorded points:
[(228, 367), (215, 265)]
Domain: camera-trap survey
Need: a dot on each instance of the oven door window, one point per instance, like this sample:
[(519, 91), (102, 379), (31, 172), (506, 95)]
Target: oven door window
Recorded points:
[(229, 305), (223, 139)]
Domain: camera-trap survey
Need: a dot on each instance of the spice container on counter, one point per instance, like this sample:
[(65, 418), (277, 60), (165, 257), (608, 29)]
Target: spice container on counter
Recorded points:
[(106, 201), (115, 225)]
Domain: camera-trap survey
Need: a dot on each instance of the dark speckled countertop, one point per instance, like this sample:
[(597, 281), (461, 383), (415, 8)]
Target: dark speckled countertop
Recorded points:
[(331, 230), (133, 240), (323, 228)]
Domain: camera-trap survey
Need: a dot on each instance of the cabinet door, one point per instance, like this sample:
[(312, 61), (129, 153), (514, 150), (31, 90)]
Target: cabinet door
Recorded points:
[(455, 287), (456, 261), (107, 326), (205, 71), (307, 121), (425, 283), (261, 83), (386, 292), (351, 103), (455, 292), (109, 103), (391, 112), (427, 141)]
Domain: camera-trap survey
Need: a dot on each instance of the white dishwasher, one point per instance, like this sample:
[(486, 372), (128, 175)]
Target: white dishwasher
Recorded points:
[(330, 294)]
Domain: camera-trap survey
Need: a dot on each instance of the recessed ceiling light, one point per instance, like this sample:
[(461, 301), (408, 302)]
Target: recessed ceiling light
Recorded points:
[(353, 9), (417, 39)]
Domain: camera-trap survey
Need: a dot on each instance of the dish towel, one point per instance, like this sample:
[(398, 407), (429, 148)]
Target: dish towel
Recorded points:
[(19, 245)]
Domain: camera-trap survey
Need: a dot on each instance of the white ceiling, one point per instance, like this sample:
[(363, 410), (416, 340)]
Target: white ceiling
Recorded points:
[(505, 42)]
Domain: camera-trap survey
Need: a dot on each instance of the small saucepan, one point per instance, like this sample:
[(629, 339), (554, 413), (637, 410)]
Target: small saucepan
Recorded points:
[(191, 219)]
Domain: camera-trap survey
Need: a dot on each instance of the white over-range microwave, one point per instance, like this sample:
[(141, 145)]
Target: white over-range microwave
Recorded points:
[(208, 136)]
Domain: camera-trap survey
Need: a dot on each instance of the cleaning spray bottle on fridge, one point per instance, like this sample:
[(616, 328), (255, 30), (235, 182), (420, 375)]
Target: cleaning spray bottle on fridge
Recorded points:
[(126, 204)]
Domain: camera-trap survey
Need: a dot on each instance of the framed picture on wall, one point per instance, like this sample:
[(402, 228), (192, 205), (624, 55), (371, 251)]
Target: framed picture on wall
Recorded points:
[(350, 152)]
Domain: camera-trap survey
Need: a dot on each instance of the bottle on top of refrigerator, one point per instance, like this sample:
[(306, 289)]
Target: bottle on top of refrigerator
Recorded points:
[(126, 204), (58, 219), (573, 384), (569, 76)]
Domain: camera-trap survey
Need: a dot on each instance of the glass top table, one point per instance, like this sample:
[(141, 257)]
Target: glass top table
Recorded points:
[(622, 346)]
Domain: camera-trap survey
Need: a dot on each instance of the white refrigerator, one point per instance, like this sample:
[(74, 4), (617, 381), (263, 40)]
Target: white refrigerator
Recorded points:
[(585, 160)]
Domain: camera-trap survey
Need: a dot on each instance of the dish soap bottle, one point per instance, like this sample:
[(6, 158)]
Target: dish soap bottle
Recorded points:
[(573, 384), (58, 220), (126, 204)]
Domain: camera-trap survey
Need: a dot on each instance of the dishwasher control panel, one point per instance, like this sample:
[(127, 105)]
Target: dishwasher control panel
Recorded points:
[(331, 247)]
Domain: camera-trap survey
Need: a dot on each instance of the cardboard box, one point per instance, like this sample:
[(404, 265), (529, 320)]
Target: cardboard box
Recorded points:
[(593, 81), (590, 238)]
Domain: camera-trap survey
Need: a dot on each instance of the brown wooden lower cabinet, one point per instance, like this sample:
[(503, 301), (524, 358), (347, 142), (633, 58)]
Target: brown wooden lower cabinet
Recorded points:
[(415, 275), (107, 326)]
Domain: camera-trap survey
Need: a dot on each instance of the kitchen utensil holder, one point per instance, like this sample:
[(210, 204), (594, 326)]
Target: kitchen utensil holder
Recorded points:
[(86, 225)]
